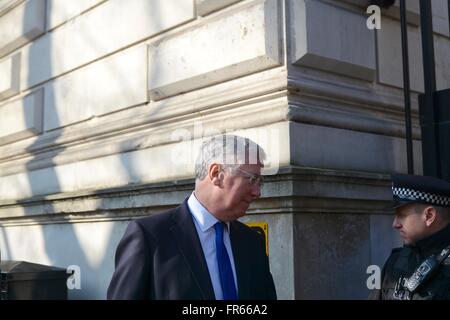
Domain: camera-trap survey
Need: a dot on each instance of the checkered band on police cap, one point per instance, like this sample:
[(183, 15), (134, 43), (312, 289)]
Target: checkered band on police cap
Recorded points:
[(406, 194), (422, 189)]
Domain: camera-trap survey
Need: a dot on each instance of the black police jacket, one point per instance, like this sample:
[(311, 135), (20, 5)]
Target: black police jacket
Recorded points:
[(404, 261)]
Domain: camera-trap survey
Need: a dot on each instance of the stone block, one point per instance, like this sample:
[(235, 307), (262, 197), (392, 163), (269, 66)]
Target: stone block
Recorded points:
[(235, 45), (10, 76), (59, 11), (22, 118), (340, 245), (205, 7), (331, 38), (440, 17), (108, 85), (109, 27), (324, 147), (21, 25), (390, 65), (442, 61)]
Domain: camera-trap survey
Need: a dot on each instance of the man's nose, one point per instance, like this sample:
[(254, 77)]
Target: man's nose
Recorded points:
[(396, 224), (256, 191)]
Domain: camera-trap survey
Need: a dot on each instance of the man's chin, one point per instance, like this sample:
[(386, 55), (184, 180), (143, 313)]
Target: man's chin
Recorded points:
[(404, 239), (408, 242), (239, 214)]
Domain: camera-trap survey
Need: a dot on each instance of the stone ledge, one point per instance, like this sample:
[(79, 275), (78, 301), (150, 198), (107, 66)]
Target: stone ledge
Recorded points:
[(205, 7), (346, 103), (264, 86), (156, 134), (317, 112), (293, 190), (234, 94), (328, 147)]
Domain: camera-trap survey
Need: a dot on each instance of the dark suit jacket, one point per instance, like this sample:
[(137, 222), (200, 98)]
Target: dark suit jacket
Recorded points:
[(160, 257)]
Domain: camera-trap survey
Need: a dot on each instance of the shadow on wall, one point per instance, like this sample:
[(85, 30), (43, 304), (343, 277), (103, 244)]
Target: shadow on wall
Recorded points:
[(89, 245), (63, 244), (61, 248)]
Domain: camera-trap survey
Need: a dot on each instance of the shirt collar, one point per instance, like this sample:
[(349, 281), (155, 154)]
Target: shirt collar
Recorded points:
[(204, 218)]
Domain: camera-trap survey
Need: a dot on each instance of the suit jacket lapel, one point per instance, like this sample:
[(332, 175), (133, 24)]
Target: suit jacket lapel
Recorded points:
[(186, 236), (241, 256)]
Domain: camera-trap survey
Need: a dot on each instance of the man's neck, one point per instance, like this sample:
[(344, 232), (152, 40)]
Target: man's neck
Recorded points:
[(207, 201)]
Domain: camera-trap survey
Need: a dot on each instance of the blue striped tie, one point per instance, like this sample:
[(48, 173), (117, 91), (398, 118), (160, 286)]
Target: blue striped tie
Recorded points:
[(225, 271)]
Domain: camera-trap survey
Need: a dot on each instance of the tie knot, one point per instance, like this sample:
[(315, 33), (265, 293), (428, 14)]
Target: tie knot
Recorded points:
[(219, 228)]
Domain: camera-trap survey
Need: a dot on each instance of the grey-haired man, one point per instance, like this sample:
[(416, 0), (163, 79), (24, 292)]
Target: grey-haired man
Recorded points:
[(198, 250)]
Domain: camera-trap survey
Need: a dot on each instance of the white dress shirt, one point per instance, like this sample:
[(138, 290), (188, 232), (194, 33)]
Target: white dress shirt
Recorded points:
[(204, 222)]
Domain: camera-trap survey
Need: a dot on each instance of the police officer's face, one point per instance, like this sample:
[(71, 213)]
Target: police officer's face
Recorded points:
[(411, 224)]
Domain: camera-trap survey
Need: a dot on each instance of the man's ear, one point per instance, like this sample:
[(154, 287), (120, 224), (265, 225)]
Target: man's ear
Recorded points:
[(430, 215), (215, 174)]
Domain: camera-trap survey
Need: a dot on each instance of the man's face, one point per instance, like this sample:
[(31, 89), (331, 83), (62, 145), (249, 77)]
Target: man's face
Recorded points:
[(410, 223), (238, 192)]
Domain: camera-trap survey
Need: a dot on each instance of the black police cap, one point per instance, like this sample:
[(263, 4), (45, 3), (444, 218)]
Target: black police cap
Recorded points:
[(419, 189)]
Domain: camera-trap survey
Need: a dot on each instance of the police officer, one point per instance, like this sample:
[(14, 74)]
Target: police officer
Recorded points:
[(421, 268)]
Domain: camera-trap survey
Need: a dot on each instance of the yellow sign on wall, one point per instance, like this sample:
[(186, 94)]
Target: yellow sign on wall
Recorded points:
[(263, 229)]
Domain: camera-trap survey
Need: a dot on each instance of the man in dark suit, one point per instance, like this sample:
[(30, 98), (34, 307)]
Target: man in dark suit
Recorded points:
[(199, 250)]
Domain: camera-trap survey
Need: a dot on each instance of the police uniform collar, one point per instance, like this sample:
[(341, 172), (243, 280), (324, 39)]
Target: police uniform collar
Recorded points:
[(434, 243)]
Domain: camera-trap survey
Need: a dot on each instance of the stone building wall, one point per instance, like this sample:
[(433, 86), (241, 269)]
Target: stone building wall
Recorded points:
[(103, 105)]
